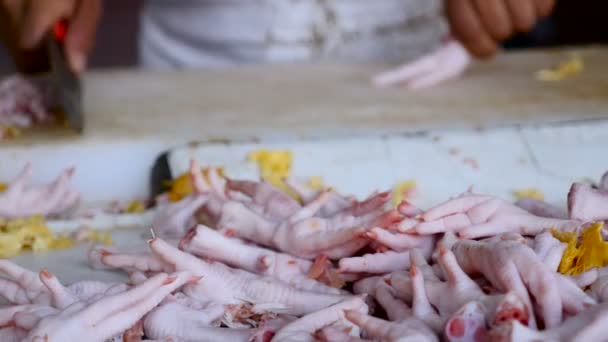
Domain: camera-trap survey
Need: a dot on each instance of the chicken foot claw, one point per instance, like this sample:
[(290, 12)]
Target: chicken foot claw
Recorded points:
[(108, 316), (22, 200)]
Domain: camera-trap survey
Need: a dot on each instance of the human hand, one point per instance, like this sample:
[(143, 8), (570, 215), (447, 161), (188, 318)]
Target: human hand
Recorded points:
[(480, 25), (33, 19)]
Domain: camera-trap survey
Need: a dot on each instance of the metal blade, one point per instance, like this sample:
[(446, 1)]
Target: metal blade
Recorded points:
[(66, 86)]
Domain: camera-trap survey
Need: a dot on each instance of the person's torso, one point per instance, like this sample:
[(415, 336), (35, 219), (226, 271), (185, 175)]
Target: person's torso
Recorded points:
[(221, 32)]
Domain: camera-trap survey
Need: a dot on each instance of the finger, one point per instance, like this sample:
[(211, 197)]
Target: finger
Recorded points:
[(421, 307), (483, 230), (447, 224), (196, 177), (22, 179), (247, 187), (375, 327), (378, 263), (494, 16), (398, 242), (69, 200), (25, 278), (458, 205), (324, 240), (395, 309), (81, 33), (544, 7), (574, 299), (130, 262), (129, 313), (53, 196), (314, 321), (370, 204), (467, 27), (418, 259), (426, 81), (511, 280), (453, 61), (217, 182), (523, 14), (485, 210), (346, 249), (454, 274), (12, 292), (406, 72), (41, 16), (408, 225), (61, 296)]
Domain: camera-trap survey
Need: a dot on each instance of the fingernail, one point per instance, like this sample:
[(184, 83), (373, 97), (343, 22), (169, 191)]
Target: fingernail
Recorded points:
[(104, 252), (169, 280), (195, 280), (78, 61), (413, 270), (45, 273)]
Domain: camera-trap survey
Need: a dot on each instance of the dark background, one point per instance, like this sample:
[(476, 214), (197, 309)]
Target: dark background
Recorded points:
[(573, 22), (116, 43)]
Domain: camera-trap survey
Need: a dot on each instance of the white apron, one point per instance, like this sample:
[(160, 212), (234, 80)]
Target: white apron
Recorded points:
[(178, 33)]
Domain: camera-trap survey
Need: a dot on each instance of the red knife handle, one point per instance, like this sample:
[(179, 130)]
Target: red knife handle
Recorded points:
[(60, 30)]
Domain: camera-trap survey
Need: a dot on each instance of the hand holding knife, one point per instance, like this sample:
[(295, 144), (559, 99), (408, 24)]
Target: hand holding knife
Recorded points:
[(64, 81), (46, 50)]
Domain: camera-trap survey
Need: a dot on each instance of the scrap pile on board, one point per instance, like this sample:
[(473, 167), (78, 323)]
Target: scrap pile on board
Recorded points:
[(23, 104), (245, 261)]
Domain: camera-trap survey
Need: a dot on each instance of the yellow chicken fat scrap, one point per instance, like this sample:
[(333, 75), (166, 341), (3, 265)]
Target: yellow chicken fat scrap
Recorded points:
[(29, 233), (316, 183), (104, 238), (9, 132), (585, 253), (529, 193), (135, 206), (274, 167), (568, 68), (182, 185), (403, 191)]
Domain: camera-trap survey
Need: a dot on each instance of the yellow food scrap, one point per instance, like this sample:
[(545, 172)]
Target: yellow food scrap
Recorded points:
[(316, 183), (3, 186), (403, 191), (568, 68), (182, 185), (274, 167), (28, 234), (591, 251), (135, 206), (9, 132), (529, 193), (100, 237)]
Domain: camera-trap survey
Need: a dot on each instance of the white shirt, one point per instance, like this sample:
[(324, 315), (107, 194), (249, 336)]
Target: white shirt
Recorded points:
[(178, 33)]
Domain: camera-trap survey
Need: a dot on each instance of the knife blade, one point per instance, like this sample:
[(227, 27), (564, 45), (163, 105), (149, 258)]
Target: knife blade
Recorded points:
[(65, 83)]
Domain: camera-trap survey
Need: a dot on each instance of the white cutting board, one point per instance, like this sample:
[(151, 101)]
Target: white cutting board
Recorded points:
[(133, 116), (443, 163)]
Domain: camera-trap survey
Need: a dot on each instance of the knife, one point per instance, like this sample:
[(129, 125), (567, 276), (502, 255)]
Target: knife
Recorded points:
[(64, 82)]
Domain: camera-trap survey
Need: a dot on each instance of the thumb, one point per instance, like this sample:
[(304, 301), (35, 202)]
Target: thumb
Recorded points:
[(81, 33), (40, 17)]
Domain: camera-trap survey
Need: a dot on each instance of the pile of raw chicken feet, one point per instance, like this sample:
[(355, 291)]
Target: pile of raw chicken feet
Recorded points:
[(244, 261)]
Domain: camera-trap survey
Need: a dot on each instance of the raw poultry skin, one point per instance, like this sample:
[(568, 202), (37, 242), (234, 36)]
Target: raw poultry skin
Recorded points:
[(23, 104), (267, 267), (448, 62), (20, 199)]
